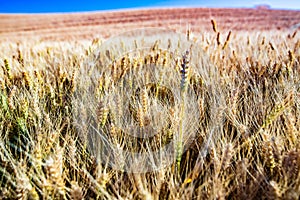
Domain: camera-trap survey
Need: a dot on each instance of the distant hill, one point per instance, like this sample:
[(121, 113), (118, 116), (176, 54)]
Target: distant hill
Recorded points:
[(262, 7)]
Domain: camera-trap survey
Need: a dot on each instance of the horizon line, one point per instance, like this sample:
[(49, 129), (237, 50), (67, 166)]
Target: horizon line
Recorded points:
[(255, 7)]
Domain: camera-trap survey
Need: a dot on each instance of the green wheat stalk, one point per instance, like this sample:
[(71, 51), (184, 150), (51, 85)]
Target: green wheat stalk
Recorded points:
[(183, 88)]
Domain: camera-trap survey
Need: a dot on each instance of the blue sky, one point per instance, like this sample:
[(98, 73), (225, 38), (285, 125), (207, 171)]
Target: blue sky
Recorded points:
[(32, 6)]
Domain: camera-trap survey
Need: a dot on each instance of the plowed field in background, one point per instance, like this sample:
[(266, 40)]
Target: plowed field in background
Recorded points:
[(77, 26)]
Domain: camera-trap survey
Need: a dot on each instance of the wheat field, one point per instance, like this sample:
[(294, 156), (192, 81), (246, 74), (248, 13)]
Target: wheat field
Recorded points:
[(86, 120)]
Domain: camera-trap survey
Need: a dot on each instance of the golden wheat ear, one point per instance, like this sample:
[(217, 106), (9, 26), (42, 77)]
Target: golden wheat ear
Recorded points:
[(214, 26), (227, 40)]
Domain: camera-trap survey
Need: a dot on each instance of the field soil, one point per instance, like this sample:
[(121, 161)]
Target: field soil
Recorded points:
[(78, 26)]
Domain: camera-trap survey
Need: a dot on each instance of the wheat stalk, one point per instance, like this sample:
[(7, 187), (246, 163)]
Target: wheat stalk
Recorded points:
[(183, 87)]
